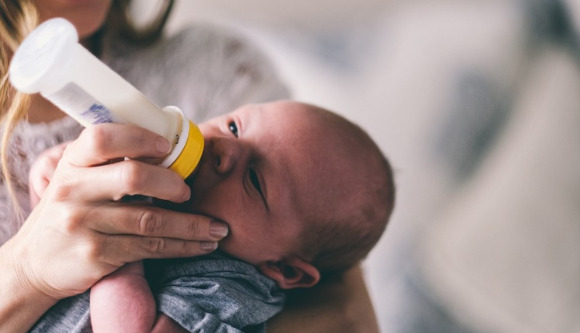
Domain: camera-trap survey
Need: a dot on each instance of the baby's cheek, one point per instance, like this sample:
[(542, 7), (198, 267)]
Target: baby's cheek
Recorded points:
[(239, 246)]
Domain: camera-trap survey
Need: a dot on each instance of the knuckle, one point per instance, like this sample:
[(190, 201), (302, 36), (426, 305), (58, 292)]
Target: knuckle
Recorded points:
[(42, 163), (97, 138), (63, 186), (190, 248), (154, 245), (193, 229), (150, 223), (62, 189), (71, 220), (141, 138), (131, 177), (93, 251), (184, 248)]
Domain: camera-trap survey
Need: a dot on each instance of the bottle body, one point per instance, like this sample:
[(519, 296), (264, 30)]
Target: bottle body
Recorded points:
[(52, 62), (92, 93)]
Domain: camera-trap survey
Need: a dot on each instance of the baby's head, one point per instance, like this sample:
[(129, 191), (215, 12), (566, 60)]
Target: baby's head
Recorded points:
[(303, 190)]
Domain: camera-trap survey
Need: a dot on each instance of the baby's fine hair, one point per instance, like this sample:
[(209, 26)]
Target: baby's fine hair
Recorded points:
[(340, 238)]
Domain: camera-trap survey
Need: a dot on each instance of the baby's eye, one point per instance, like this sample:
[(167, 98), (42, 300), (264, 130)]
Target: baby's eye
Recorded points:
[(233, 128), (255, 181)]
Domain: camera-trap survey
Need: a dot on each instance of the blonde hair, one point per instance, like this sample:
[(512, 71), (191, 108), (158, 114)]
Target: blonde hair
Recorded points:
[(20, 17)]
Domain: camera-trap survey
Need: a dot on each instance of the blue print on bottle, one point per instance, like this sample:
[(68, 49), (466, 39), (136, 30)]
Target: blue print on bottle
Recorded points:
[(98, 114)]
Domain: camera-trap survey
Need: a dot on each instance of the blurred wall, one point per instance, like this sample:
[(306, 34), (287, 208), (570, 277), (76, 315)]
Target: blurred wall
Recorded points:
[(433, 82)]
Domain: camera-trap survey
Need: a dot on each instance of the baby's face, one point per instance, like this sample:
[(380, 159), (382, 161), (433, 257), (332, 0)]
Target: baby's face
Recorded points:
[(256, 175)]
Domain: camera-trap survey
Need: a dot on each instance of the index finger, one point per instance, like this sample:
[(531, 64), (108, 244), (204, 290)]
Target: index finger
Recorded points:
[(101, 143)]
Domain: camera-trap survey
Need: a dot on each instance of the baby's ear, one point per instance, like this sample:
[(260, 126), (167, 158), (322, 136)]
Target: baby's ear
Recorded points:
[(292, 272)]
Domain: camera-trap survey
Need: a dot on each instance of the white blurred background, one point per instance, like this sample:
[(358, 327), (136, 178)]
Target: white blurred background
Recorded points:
[(475, 103)]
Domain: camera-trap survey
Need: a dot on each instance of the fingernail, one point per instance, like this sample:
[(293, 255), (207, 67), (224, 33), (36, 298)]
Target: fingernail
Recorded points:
[(209, 246), (218, 229), (163, 146), (186, 195)]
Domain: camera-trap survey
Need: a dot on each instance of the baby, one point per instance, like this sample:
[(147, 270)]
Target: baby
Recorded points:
[(306, 194)]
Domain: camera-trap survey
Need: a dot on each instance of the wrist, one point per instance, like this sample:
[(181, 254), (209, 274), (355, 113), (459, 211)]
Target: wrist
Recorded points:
[(21, 303)]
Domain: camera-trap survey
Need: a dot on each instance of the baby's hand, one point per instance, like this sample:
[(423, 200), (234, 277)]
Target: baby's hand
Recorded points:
[(42, 170)]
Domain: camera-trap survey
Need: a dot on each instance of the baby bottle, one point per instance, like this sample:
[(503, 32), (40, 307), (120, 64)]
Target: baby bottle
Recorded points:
[(50, 61)]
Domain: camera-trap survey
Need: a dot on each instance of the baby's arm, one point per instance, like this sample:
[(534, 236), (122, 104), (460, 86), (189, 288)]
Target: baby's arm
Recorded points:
[(123, 302)]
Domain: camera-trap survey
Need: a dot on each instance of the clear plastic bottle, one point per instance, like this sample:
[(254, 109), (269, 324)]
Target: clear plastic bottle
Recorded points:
[(52, 62)]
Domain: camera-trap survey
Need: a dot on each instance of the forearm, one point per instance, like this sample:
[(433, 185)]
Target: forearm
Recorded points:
[(21, 304), (123, 302)]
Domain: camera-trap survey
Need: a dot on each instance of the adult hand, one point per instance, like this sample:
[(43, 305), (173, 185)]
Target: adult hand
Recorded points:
[(80, 231)]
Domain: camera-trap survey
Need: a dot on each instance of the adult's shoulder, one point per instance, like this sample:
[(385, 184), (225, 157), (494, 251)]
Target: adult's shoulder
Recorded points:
[(205, 70)]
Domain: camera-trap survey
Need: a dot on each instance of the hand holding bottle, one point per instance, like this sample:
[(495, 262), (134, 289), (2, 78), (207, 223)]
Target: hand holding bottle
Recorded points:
[(80, 231)]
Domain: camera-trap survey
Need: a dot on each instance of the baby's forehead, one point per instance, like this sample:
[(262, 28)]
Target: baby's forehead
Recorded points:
[(298, 125), (280, 109)]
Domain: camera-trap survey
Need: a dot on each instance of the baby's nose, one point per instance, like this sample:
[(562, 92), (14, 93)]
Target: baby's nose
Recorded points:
[(226, 154)]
